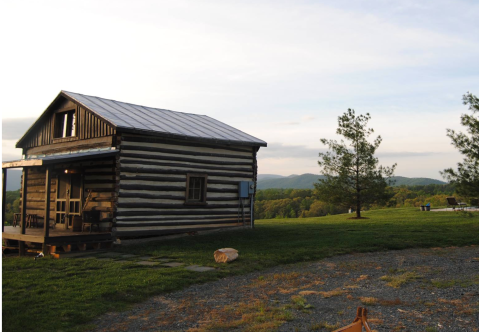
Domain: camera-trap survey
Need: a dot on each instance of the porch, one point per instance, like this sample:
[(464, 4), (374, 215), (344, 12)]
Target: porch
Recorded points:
[(58, 240), (57, 187)]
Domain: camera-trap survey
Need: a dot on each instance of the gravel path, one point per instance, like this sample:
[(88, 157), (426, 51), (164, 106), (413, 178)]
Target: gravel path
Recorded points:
[(409, 290)]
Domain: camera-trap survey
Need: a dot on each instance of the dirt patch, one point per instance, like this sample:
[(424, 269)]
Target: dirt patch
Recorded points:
[(410, 290)]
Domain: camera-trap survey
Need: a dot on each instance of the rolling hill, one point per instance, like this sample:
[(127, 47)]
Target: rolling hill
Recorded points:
[(266, 181), (305, 181)]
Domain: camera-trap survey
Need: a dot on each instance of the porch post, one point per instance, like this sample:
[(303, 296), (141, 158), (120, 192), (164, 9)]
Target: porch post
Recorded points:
[(24, 209), (46, 223), (4, 200)]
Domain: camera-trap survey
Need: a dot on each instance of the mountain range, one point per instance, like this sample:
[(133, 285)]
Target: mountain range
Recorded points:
[(306, 181), (266, 181)]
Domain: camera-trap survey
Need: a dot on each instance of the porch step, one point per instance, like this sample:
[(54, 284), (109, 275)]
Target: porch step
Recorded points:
[(14, 249), (76, 254), (78, 249)]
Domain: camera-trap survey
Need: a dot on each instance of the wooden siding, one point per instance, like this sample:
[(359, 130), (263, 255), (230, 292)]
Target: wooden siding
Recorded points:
[(98, 176), (152, 174), (88, 126), (36, 192)]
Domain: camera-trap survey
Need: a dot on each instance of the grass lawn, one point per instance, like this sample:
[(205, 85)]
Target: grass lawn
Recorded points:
[(66, 294)]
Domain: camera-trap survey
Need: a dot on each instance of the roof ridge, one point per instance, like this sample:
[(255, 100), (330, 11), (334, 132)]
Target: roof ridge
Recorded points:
[(130, 117), (128, 103)]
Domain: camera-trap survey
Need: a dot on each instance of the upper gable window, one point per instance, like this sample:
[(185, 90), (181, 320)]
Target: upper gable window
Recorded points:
[(65, 124)]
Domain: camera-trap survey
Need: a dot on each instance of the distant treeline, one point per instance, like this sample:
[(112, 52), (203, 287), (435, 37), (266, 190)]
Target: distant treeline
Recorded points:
[(12, 205), (303, 203)]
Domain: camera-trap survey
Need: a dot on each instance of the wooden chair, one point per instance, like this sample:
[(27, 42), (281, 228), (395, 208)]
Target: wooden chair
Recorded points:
[(17, 219), (359, 322), (451, 201), (32, 220), (90, 219)]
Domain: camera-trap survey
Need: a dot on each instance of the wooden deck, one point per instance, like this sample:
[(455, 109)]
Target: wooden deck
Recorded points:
[(56, 236)]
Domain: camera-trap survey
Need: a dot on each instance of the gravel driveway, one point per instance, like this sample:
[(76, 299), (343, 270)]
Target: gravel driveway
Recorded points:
[(410, 290)]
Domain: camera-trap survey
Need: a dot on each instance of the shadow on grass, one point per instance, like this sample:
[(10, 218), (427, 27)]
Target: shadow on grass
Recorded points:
[(66, 294)]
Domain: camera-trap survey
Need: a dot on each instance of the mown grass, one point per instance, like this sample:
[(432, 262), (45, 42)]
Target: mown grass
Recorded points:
[(66, 294)]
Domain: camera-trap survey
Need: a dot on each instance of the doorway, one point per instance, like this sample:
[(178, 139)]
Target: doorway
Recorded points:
[(68, 202)]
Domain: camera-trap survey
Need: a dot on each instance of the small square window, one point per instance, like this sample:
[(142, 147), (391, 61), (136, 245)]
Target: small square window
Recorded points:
[(196, 188), (65, 124)]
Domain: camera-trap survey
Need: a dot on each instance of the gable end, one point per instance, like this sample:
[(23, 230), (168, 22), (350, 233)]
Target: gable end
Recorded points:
[(65, 121)]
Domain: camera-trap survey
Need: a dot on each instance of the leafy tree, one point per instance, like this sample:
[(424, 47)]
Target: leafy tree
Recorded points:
[(466, 177), (353, 177), (12, 200)]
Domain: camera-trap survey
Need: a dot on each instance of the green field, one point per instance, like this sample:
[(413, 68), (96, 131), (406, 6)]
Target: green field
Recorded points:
[(66, 294)]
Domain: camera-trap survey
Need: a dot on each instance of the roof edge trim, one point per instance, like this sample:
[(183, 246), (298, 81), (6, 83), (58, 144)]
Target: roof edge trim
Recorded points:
[(190, 138)]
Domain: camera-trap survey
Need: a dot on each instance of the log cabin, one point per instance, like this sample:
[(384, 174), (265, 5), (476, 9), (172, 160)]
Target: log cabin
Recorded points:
[(137, 170)]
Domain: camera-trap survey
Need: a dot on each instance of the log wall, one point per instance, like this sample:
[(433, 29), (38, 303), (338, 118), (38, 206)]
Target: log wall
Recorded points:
[(99, 176), (152, 185)]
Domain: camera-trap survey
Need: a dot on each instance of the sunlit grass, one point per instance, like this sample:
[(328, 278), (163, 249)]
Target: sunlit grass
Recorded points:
[(398, 280), (66, 294)]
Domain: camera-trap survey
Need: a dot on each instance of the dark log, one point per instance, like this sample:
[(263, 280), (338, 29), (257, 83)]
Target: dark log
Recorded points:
[(151, 187), (171, 179), (89, 167), (185, 223), (104, 199), (98, 181), (171, 213), (152, 178), (184, 159), (102, 208), (147, 139), (183, 152), (170, 218), (171, 188), (172, 197), (221, 190), (179, 172), (103, 190), (161, 206), (110, 172), (151, 196), (157, 163)]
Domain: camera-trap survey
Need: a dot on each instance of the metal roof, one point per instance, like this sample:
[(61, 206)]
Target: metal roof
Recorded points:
[(131, 117)]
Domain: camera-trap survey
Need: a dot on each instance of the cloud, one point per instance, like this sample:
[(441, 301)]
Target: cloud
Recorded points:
[(409, 154), (280, 151), (7, 156), (9, 152), (287, 123), (268, 68), (14, 128)]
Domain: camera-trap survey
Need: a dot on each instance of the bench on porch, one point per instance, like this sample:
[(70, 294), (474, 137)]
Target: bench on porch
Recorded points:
[(91, 218), (32, 220)]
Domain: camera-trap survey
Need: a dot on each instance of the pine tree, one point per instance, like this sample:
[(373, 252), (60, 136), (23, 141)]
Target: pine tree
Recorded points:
[(466, 177), (353, 177)]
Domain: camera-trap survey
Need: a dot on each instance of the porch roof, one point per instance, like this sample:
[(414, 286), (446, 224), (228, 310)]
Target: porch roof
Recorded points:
[(58, 158)]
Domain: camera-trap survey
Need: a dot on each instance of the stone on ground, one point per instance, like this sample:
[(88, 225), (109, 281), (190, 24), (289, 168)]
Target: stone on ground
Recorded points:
[(197, 268)]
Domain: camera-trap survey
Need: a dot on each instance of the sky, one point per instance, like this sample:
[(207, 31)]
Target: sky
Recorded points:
[(282, 71)]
